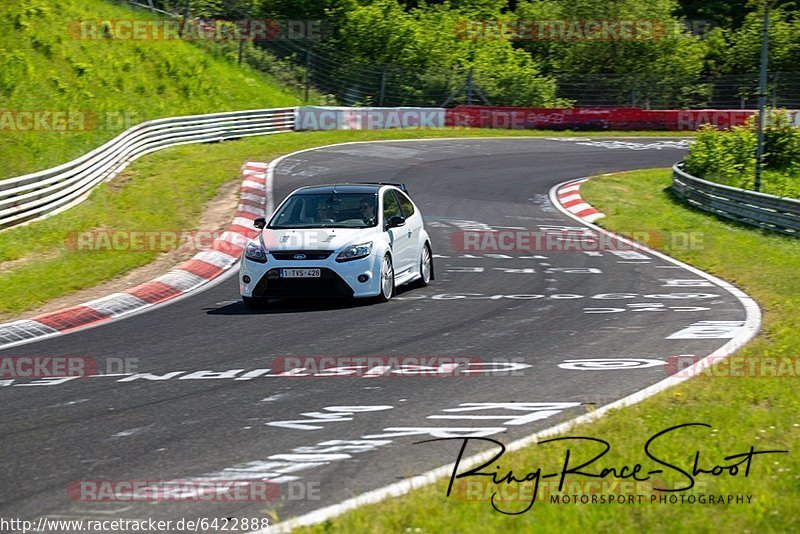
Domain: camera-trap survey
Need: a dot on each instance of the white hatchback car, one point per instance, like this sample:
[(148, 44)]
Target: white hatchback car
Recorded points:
[(343, 240)]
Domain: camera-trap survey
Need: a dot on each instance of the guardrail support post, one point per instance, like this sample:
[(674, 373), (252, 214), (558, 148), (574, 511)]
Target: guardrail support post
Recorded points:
[(383, 85), (308, 74), (762, 97)]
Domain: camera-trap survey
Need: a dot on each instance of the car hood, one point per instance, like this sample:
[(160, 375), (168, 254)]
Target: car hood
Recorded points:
[(315, 239)]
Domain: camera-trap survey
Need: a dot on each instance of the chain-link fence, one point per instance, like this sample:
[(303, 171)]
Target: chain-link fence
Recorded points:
[(392, 85), (329, 72), (738, 91)]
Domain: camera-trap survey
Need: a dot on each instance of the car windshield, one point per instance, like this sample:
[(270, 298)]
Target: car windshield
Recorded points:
[(327, 210)]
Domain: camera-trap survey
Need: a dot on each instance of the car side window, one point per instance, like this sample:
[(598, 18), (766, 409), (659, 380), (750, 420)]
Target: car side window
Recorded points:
[(405, 203), (391, 208)]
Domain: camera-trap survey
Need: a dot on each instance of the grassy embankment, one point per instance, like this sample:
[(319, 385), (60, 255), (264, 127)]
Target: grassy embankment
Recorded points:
[(113, 83)]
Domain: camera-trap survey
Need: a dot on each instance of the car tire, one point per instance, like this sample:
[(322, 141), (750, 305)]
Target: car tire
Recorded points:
[(255, 303), (426, 275), (387, 280)]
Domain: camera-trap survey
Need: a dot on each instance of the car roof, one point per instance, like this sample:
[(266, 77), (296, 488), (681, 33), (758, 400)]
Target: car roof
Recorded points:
[(344, 188)]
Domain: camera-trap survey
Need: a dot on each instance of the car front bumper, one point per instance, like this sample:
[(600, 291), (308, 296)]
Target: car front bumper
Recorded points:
[(339, 279)]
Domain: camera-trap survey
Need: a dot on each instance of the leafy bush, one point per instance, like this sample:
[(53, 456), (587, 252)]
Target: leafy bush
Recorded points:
[(782, 142), (729, 156)]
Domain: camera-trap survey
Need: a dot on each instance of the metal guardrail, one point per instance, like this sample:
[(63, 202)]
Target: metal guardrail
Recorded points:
[(32, 196), (778, 214)]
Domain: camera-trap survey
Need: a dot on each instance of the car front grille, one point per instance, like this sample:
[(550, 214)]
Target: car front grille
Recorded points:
[(329, 284), (291, 255)]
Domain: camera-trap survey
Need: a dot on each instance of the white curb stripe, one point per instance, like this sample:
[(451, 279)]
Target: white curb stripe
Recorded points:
[(250, 209), (241, 221), (235, 238), (577, 208), (25, 329), (254, 198), (180, 279), (593, 217), (570, 188), (116, 304), (216, 258), (571, 197), (256, 165)]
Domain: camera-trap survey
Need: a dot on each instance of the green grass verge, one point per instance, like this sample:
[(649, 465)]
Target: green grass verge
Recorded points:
[(764, 412), (123, 82), (162, 191)]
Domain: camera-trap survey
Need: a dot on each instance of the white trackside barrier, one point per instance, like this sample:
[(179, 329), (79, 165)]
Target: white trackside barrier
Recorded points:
[(32, 196), (344, 118)]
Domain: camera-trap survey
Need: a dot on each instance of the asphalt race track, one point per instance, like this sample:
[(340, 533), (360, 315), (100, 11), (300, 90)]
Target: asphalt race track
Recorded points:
[(326, 439)]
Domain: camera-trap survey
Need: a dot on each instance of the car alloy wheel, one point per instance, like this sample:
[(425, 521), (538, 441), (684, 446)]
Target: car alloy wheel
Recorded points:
[(387, 279), (425, 266)]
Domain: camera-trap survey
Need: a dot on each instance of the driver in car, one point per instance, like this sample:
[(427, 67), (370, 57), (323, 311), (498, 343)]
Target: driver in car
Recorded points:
[(367, 212), (324, 212)]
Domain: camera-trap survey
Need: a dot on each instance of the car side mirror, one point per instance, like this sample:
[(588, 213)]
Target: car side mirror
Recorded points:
[(260, 223), (395, 221)]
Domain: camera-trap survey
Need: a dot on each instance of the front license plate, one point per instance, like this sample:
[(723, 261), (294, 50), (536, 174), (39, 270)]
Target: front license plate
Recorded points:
[(301, 273)]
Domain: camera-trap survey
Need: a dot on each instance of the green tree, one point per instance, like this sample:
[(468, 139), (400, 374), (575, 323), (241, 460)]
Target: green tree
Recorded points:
[(434, 56), (744, 45), (656, 57)]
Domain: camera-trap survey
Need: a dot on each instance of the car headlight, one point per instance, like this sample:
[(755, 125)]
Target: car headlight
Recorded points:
[(354, 252), (253, 251)]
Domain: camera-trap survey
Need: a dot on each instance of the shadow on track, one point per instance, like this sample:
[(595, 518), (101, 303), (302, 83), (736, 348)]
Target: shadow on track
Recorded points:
[(299, 305)]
